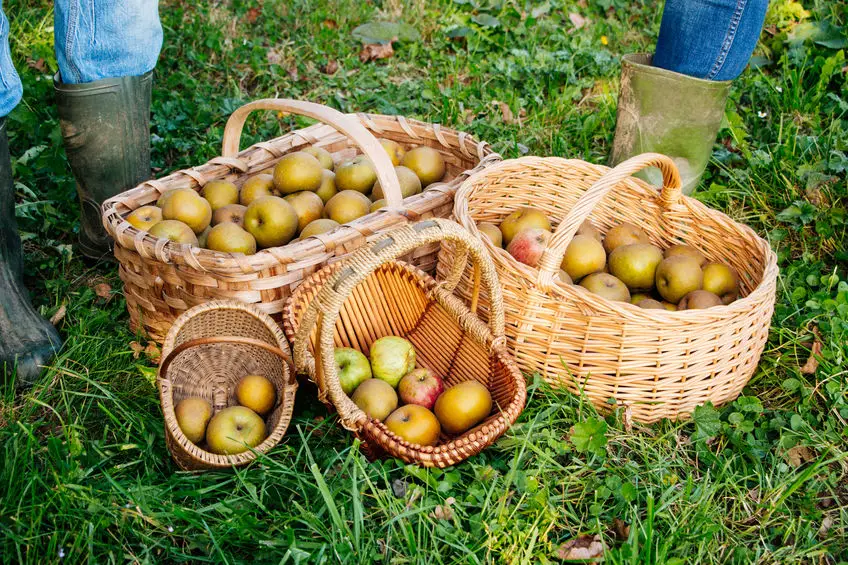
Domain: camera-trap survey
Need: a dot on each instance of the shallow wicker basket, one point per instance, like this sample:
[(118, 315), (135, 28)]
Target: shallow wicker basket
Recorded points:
[(162, 279), (207, 351), (658, 363), (371, 295)]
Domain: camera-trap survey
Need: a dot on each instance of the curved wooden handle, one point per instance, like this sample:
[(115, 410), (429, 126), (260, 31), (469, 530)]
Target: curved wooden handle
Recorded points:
[(343, 123), (166, 362), (551, 260)]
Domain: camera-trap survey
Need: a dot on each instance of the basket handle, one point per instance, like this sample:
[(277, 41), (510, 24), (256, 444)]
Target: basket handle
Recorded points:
[(166, 362), (358, 267), (549, 264), (343, 123)]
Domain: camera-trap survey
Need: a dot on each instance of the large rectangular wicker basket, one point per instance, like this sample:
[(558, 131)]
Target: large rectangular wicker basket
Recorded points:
[(657, 363), (163, 279)]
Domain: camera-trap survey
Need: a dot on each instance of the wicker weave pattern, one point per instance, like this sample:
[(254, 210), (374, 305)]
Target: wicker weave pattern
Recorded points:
[(163, 279), (661, 364), (212, 370), (371, 295)]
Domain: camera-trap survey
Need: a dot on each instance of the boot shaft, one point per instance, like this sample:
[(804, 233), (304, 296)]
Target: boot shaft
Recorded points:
[(10, 242)]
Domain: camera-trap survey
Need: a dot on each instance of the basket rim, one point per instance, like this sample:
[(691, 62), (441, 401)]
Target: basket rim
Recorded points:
[(166, 251), (166, 396), (462, 215)]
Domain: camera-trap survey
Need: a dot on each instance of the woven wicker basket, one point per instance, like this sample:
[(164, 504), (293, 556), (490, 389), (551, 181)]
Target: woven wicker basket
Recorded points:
[(208, 350), (163, 279), (371, 295), (659, 364)]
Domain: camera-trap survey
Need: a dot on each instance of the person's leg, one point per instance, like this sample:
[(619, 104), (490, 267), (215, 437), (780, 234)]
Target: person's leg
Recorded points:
[(673, 102), (106, 50), (11, 89)]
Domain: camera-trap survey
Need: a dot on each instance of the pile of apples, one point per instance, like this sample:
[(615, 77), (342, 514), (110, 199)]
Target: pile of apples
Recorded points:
[(391, 378), (621, 265), (304, 194), (234, 429)]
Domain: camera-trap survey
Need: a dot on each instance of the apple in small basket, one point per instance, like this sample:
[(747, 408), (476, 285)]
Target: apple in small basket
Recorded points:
[(463, 406), (528, 246), (421, 387), (415, 424), (392, 357), (353, 368), (376, 398), (234, 430)]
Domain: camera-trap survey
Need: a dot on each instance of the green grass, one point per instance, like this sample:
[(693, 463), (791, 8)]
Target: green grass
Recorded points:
[(86, 477)]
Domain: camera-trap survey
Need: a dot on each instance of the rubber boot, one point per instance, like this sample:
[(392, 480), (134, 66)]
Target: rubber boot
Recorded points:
[(27, 341), (666, 112), (106, 130)]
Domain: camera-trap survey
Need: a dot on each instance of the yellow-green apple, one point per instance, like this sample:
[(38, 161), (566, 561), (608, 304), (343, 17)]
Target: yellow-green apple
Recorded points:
[(174, 230), (624, 234), (257, 187), (356, 174), (203, 236), (230, 238), (722, 281), (352, 367), (376, 398), (523, 219), (394, 150), (588, 228), (426, 163), (492, 232), (463, 406), (145, 217), (636, 264), (257, 393), (328, 186), (231, 213), (220, 193), (193, 415), (420, 386), (415, 424), (583, 256), (565, 277), (409, 184), (377, 205), (391, 358), (528, 245), (188, 207), (677, 276), (606, 285), (234, 430), (319, 226), (688, 250), (271, 220), (322, 155), (297, 171), (346, 206)]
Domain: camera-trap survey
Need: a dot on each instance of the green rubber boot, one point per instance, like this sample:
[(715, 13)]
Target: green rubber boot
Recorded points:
[(666, 112), (27, 341), (106, 130)]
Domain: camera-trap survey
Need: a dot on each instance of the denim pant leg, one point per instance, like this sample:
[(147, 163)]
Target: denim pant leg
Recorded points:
[(709, 39), (98, 39), (11, 89)]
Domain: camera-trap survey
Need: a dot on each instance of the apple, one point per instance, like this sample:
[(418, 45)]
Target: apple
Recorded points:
[(415, 424), (636, 264), (352, 367), (677, 276), (606, 285), (193, 415), (624, 234), (187, 206), (356, 174), (297, 171), (463, 406), (650, 304), (145, 217), (319, 226), (271, 220), (174, 230), (688, 250), (565, 277), (377, 205), (307, 205), (234, 430), (346, 206), (257, 393), (163, 198), (230, 238), (328, 186), (203, 236), (528, 246), (426, 163), (410, 184), (699, 299), (376, 398), (721, 280), (583, 256), (257, 187), (421, 387), (492, 232), (322, 155), (231, 213), (391, 358), (588, 228), (220, 193), (522, 219), (394, 150)]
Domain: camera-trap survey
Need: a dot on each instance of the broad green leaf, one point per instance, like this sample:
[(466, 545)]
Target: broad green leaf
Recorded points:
[(383, 32)]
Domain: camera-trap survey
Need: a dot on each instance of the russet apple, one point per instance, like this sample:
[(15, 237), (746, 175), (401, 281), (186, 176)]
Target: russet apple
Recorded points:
[(352, 367), (193, 415), (231, 213), (322, 155), (583, 256), (426, 163), (234, 430), (463, 406), (650, 304), (415, 424), (376, 398), (145, 217), (220, 193), (391, 358), (688, 250), (421, 387), (606, 285), (271, 220), (174, 230), (187, 206), (722, 281), (257, 393), (319, 226), (346, 206), (588, 228), (492, 232), (394, 150), (328, 186), (297, 171), (228, 237), (307, 205), (528, 246), (699, 299), (677, 276), (356, 174), (257, 187), (635, 265), (523, 219), (624, 234), (409, 184)]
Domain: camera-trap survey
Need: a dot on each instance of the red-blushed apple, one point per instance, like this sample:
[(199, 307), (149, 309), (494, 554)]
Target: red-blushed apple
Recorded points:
[(528, 245), (421, 387), (415, 424)]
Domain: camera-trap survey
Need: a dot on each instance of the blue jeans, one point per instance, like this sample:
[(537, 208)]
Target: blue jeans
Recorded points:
[(709, 39), (94, 39)]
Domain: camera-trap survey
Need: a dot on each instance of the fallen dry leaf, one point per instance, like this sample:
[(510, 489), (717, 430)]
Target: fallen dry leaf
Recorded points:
[(60, 313), (374, 51), (137, 348), (292, 72), (153, 352), (812, 363), (798, 455), (444, 511), (253, 14), (628, 418), (577, 20), (621, 528), (38, 65), (330, 24), (506, 113), (103, 290), (827, 522), (331, 67), (274, 56), (581, 548)]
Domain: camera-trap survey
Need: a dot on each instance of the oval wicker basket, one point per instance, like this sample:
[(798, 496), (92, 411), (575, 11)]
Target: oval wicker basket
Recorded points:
[(659, 364), (371, 295), (207, 351), (162, 279)]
